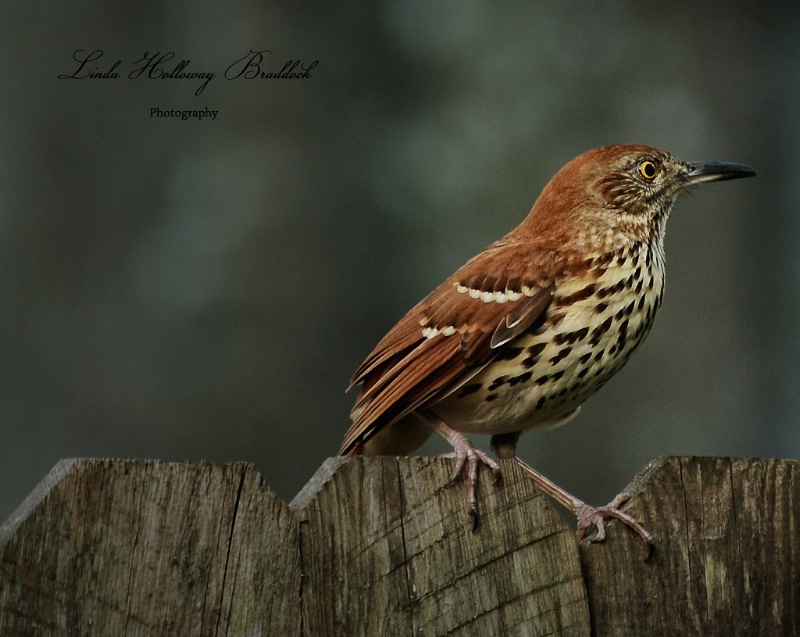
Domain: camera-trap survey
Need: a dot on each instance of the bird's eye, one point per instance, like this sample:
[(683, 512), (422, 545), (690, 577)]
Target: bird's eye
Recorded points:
[(647, 169)]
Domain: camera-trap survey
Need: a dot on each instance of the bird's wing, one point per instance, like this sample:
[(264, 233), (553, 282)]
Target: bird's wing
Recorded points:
[(447, 338)]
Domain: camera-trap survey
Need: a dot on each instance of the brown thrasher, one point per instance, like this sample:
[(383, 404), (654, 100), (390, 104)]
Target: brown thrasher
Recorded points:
[(532, 326)]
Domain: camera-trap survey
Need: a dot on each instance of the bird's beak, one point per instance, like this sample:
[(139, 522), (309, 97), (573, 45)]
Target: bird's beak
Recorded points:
[(705, 171)]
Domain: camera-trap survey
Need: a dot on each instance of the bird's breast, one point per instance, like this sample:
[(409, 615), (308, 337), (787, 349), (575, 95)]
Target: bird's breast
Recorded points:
[(593, 325)]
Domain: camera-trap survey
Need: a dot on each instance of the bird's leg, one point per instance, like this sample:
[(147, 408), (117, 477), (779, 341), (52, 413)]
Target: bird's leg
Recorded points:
[(588, 516), (468, 458), (505, 446)]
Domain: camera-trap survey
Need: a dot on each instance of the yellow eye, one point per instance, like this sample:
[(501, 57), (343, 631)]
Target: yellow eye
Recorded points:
[(647, 169)]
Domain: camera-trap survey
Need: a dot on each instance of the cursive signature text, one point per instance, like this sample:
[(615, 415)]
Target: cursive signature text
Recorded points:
[(166, 66)]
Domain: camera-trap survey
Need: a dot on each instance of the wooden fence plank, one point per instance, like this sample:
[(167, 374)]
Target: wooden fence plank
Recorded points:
[(134, 548), (395, 554), (727, 560)]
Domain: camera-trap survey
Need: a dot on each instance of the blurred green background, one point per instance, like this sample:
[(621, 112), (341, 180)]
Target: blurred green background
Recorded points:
[(204, 289)]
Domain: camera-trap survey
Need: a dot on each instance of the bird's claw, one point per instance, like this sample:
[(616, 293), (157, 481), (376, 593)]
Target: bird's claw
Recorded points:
[(468, 459), (589, 516)]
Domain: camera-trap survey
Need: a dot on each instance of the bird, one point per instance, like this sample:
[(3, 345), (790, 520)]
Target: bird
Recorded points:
[(523, 333)]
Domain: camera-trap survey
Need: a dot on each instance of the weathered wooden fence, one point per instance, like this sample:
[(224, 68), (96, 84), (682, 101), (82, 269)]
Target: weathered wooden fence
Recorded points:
[(380, 546)]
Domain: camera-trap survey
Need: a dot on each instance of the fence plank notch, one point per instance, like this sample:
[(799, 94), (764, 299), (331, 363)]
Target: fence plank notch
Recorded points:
[(383, 546)]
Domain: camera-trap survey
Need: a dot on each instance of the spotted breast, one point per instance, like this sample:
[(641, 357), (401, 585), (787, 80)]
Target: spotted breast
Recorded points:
[(591, 328)]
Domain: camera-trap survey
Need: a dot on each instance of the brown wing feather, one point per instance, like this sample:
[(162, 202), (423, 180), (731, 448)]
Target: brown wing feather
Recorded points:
[(521, 317), (420, 359)]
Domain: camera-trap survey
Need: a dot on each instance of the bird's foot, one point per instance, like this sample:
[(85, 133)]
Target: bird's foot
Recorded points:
[(589, 516), (468, 459)]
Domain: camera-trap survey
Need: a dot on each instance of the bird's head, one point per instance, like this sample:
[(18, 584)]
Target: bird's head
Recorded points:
[(618, 193)]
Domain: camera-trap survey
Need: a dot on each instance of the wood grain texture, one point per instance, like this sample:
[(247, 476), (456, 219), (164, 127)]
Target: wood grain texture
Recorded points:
[(727, 560), (383, 546), (146, 548), (399, 556)]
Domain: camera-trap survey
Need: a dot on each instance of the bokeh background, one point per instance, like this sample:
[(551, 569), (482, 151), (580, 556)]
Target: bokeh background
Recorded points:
[(192, 289)]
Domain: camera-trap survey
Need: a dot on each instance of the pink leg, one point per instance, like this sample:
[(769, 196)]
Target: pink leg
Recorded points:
[(588, 516), (468, 459)]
